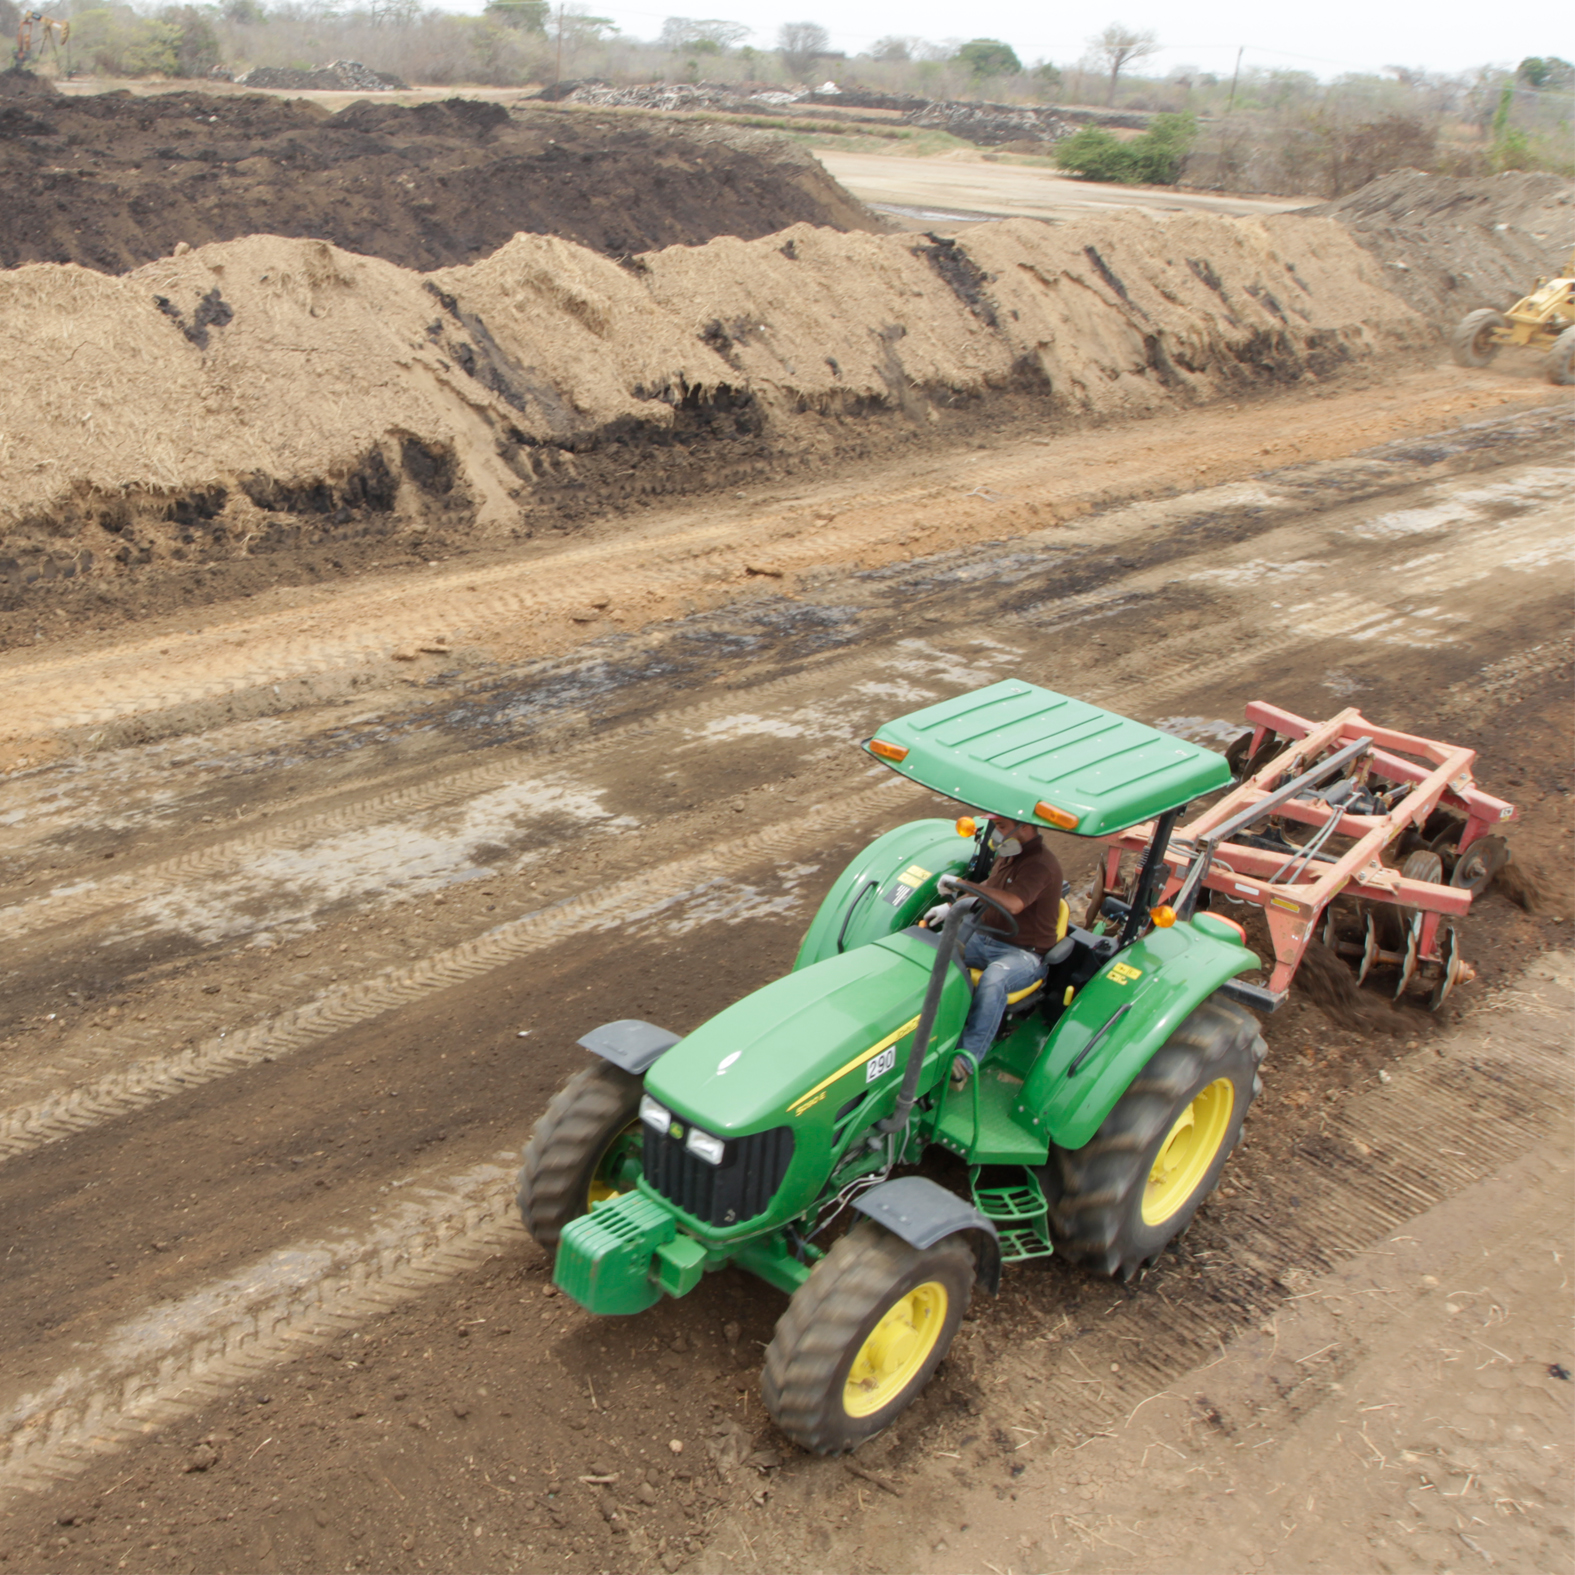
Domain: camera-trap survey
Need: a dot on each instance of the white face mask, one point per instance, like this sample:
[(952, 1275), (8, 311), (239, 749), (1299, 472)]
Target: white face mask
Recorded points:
[(1010, 848)]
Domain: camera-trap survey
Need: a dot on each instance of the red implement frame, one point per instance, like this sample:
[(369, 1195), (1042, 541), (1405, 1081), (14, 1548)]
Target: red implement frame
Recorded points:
[(1441, 774)]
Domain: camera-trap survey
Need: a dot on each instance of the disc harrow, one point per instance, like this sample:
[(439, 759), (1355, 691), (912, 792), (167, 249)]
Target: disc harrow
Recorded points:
[(1304, 834)]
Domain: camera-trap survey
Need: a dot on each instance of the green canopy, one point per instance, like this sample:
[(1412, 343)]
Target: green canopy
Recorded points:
[(1018, 750)]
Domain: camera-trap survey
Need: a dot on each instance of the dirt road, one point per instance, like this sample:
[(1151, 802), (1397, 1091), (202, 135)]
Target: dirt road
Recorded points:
[(306, 903), (923, 192)]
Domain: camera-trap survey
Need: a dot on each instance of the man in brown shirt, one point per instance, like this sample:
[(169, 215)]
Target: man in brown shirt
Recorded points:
[(1026, 879)]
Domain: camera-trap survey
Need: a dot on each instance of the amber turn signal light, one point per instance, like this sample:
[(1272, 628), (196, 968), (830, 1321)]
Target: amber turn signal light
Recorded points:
[(892, 752), (1056, 817), (966, 826), (1164, 915)]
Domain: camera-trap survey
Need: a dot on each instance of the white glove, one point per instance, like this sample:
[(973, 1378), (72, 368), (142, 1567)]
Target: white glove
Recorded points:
[(936, 917)]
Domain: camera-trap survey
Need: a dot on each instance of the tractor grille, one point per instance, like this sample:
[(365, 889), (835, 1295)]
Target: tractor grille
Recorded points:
[(738, 1189)]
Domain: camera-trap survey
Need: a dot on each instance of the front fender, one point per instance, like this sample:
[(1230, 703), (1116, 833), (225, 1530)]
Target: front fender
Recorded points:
[(1154, 985), (886, 888)]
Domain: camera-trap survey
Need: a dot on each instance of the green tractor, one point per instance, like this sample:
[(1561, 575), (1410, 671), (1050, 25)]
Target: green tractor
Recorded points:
[(1095, 1127)]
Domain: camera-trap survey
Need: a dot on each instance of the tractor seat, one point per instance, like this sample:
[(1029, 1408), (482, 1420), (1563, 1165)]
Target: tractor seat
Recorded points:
[(1029, 991)]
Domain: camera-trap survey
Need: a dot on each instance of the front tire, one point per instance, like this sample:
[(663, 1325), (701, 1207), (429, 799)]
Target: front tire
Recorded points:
[(586, 1147), (1474, 341), (863, 1335), (1560, 364), (1119, 1200)]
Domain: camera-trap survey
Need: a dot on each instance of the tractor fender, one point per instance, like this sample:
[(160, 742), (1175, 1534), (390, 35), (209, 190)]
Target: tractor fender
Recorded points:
[(1116, 1023), (629, 1043), (886, 888), (922, 1212)]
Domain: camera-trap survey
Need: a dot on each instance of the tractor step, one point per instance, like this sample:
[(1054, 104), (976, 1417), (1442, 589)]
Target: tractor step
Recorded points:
[(1011, 1198), (979, 1123)]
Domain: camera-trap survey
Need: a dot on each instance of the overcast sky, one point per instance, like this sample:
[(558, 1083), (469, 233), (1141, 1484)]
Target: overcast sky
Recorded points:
[(1325, 37)]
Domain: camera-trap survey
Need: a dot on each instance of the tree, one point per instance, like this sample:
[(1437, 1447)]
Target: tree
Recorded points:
[(575, 27), (529, 16), (894, 47), (704, 37), (989, 57), (1545, 71), (801, 44), (1118, 47), (193, 45)]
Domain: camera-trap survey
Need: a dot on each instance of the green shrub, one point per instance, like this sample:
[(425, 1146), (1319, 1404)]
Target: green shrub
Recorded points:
[(1154, 159)]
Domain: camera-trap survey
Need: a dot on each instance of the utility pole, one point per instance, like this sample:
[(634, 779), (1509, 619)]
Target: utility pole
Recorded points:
[(1234, 75)]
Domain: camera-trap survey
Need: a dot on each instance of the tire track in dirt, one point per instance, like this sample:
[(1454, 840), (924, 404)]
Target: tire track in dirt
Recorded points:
[(76, 903), (78, 1109), (166, 1363), (650, 575), (83, 1097), (162, 1365), (1449, 1114)]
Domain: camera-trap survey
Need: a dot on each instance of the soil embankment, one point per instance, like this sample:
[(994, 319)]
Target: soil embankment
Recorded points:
[(112, 181), (263, 395), (1451, 246)]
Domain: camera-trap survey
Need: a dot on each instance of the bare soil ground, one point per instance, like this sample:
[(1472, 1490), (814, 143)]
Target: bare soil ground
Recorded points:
[(308, 895), (113, 180), (923, 193)]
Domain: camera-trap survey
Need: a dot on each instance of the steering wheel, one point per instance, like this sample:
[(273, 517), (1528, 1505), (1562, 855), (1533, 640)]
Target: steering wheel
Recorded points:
[(949, 883)]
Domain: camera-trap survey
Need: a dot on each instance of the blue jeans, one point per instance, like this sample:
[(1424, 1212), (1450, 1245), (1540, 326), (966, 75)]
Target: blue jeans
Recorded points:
[(1007, 969)]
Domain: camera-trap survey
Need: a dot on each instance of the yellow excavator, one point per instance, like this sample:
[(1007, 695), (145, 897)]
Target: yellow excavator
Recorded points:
[(1543, 320), (50, 32)]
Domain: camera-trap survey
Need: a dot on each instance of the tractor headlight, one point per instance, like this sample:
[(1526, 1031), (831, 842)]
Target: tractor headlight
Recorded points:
[(658, 1117), (703, 1146)]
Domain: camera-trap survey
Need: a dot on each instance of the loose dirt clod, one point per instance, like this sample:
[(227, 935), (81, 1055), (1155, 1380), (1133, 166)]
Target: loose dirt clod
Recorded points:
[(1332, 988), (1522, 885)]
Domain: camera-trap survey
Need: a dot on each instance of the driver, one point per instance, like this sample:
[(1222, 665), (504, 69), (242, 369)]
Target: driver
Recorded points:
[(1026, 880)]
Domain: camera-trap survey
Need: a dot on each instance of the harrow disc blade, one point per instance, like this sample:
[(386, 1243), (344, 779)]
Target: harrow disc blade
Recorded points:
[(1369, 949), (1453, 968), (1480, 862), (1413, 945)]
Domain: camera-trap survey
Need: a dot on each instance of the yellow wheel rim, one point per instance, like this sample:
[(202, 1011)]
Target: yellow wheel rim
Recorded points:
[(611, 1177), (897, 1348), (1187, 1152)]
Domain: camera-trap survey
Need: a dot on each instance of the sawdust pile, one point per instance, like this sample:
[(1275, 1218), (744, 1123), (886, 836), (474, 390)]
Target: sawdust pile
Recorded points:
[(227, 399), (1450, 246)]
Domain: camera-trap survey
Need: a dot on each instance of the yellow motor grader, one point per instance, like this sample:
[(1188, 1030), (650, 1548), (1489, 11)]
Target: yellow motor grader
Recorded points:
[(1543, 320)]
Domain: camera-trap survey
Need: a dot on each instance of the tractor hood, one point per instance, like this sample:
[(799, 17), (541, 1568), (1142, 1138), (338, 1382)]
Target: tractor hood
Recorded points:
[(811, 1036)]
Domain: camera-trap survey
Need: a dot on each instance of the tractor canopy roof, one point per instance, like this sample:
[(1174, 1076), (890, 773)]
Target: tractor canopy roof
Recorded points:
[(1018, 750)]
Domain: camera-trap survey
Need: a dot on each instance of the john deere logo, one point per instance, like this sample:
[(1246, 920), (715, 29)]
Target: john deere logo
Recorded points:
[(675, 1130)]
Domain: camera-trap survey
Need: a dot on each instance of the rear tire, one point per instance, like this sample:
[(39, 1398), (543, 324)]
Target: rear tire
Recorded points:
[(1560, 364), (1473, 342), (863, 1335), (1119, 1200), (584, 1148)]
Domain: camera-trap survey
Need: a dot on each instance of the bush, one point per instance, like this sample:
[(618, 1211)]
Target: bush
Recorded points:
[(989, 57), (1157, 158)]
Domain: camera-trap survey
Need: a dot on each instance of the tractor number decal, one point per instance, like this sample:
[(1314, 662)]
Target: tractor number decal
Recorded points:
[(907, 883), (1124, 973), (818, 1092), (881, 1065)]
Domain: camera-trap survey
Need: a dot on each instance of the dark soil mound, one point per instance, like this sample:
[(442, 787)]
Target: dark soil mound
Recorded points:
[(1450, 246), (112, 181)]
